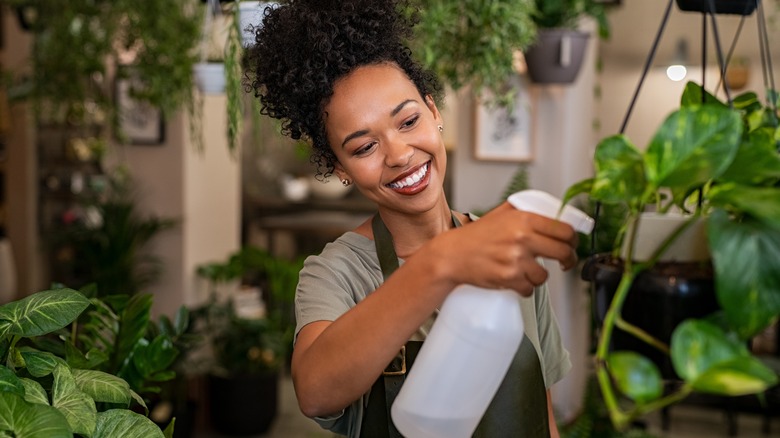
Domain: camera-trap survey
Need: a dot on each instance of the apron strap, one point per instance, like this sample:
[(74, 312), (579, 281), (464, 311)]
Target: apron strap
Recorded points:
[(377, 422)]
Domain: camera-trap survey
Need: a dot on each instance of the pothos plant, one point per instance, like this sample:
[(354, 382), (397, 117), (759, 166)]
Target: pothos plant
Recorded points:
[(718, 163), (71, 365)]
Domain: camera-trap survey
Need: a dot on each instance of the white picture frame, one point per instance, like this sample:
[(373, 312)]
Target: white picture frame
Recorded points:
[(503, 135)]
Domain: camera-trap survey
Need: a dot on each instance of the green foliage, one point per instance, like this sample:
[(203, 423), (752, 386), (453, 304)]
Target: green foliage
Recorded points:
[(250, 344), (717, 163), (106, 246), (79, 44), (50, 388), (566, 13), (473, 42)]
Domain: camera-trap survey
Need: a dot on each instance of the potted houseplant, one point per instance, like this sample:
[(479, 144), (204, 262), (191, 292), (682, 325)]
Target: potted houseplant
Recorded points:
[(75, 365), (250, 336), (112, 37), (557, 53), (473, 43), (103, 240), (737, 7), (710, 163)]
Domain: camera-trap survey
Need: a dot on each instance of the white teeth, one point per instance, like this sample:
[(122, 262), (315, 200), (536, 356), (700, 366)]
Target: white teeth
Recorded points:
[(411, 179)]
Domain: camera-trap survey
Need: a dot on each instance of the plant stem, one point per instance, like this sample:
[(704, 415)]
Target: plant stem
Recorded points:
[(670, 399), (637, 332)]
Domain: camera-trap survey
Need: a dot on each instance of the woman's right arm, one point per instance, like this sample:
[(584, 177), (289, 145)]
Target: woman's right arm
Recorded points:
[(335, 362)]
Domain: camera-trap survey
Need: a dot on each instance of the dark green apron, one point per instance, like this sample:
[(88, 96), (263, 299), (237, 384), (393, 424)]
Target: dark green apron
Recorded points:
[(519, 408)]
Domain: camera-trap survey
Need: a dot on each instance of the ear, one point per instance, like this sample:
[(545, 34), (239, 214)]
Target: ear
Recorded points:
[(338, 169), (434, 109)]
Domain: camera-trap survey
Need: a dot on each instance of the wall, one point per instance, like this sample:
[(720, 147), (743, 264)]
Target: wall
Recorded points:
[(22, 175), (201, 189)]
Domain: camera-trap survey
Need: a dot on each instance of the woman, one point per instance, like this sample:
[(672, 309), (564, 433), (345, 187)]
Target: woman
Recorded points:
[(338, 74)]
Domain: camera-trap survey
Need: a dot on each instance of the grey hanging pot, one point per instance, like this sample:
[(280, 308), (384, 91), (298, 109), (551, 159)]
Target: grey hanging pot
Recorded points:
[(556, 56)]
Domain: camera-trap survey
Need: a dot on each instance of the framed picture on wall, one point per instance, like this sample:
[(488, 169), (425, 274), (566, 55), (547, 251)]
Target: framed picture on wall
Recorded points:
[(501, 134), (139, 122)]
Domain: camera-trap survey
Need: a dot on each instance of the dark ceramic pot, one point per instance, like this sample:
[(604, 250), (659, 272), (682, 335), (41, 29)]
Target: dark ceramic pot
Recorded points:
[(556, 56), (245, 404), (659, 300), (734, 7)]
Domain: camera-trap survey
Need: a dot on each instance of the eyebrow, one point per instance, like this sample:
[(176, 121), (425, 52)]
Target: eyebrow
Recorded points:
[(361, 132)]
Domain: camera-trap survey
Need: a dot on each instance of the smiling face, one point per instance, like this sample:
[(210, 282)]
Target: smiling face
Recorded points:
[(386, 139)]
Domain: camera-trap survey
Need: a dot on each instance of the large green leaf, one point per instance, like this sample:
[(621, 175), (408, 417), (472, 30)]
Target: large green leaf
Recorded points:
[(103, 387), (34, 392), (740, 376), (697, 346), (39, 363), (620, 175), (29, 420), (9, 382), (746, 257), (79, 408), (762, 203), (635, 376), (120, 423), (694, 145), (756, 161), (41, 312), (695, 95)]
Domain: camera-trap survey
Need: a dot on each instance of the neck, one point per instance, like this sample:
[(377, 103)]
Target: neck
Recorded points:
[(410, 232)]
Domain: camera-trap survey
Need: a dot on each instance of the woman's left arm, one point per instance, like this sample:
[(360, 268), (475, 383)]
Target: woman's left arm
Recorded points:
[(551, 417)]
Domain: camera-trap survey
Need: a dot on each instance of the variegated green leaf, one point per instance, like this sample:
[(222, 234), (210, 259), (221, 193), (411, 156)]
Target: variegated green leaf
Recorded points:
[(693, 146), (42, 312), (120, 423), (636, 376), (756, 161), (103, 387), (746, 257), (620, 173), (79, 408), (34, 392), (39, 363), (762, 203), (29, 420), (740, 376), (9, 382), (697, 346)]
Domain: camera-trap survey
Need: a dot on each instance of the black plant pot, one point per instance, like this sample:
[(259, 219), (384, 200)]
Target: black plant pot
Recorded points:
[(735, 7), (556, 56), (243, 405), (659, 300)]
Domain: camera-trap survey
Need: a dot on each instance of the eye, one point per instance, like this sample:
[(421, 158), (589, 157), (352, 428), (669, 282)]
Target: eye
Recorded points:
[(410, 122), (365, 149)]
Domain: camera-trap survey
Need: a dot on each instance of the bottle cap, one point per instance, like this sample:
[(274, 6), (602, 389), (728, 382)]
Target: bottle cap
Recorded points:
[(545, 204)]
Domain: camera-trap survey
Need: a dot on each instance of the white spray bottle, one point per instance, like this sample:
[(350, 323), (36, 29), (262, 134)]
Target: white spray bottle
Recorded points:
[(470, 347)]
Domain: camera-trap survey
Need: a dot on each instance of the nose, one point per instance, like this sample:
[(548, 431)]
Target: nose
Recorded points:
[(398, 153)]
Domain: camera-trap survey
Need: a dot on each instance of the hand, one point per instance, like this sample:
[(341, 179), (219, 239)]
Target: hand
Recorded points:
[(501, 249)]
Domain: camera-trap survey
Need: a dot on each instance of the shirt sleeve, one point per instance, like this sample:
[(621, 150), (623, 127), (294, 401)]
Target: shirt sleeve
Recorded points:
[(554, 355)]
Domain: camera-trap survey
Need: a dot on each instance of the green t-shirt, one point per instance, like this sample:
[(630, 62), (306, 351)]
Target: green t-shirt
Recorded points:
[(348, 270)]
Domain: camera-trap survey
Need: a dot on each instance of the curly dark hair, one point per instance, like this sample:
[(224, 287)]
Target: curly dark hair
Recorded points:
[(304, 46)]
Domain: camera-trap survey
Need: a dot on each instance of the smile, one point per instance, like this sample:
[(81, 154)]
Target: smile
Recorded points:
[(411, 179)]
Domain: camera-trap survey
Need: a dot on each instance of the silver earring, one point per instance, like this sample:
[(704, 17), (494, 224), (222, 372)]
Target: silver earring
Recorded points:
[(441, 128), (345, 182)]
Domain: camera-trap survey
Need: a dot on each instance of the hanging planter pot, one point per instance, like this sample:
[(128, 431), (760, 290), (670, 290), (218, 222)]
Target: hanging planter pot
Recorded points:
[(658, 301), (735, 7), (210, 77), (678, 287), (556, 56)]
